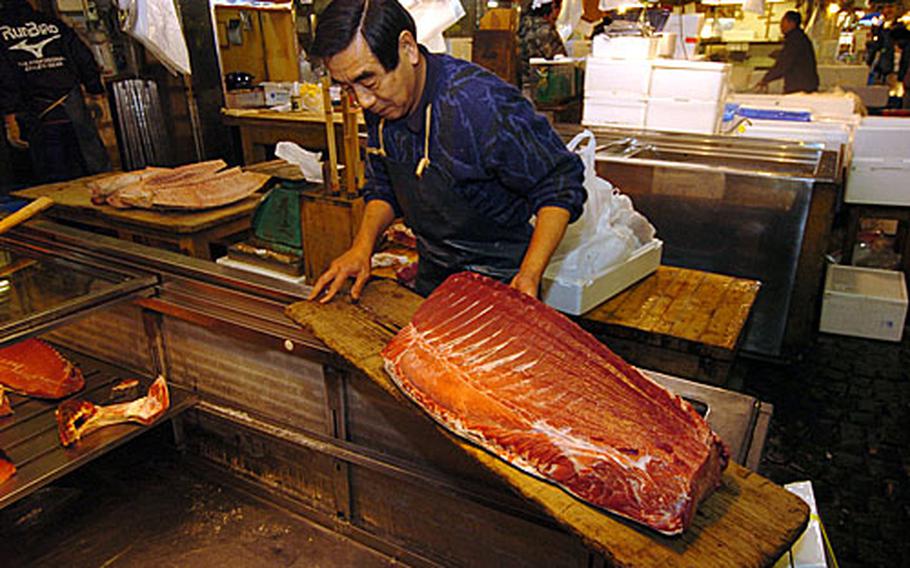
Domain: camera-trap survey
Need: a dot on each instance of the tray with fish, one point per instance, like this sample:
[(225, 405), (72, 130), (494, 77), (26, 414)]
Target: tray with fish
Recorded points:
[(45, 438)]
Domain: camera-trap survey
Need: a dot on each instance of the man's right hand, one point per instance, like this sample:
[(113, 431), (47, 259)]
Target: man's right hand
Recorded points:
[(13, 136), (355, 264)]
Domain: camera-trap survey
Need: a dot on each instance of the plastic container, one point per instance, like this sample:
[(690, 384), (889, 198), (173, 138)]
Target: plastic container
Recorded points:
[(880, 137), (682, 115), (612, 78), (878, 181), (628, 113), (694, 80), (864, 302), (576, 298), (557, 80)]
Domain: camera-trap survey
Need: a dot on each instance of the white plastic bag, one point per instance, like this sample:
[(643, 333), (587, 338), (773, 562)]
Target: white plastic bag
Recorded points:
[(156, 25), (608, 231)]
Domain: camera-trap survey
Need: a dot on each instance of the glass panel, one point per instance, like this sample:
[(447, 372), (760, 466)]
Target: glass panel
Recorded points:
[(32, 284)]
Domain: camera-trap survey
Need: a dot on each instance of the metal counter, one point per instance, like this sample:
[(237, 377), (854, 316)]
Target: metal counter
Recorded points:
[(758, 209), (285, 416)]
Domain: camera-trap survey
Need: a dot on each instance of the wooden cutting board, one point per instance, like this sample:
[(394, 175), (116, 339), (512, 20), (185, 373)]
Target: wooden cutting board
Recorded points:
[(748, 521)]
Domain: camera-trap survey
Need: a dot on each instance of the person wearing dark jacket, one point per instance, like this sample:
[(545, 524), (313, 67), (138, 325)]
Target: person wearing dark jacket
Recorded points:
[(453, 149), (43, 65), (796, 62)]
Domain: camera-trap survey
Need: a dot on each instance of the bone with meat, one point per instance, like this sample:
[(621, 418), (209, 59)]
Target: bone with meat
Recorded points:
[(78, 418), (34, 368), (522, 381)]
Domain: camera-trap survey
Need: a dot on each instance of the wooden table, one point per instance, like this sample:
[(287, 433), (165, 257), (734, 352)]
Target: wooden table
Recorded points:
[(683, 322), (262, 129), (192, 233)]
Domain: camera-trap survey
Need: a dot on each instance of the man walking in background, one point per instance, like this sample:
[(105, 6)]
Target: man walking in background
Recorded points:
[(796, 62)]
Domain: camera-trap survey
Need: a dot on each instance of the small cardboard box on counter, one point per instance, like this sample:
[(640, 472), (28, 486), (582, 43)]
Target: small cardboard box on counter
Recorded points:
[(576, 298), (864, 302)]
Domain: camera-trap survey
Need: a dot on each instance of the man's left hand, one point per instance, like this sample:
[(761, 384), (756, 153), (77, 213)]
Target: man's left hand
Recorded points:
[(528, 284)]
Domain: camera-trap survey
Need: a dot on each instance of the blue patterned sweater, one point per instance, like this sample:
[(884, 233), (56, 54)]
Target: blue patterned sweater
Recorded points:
[(506, 160)]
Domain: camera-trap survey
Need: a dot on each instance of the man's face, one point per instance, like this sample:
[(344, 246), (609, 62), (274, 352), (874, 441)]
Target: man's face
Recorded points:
[(390, 94), (786, 25)]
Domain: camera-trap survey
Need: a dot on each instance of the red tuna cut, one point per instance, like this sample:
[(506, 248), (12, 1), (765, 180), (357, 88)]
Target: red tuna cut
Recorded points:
[(519, 379), (34, 368)]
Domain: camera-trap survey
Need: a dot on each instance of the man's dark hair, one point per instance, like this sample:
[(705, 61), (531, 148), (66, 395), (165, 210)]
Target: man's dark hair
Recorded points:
[(794, 17), (380, 22), (542, 11), (15, 7)]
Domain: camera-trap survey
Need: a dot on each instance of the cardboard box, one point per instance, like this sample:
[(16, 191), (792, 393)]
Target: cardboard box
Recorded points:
[(864, 302), (576, 298)]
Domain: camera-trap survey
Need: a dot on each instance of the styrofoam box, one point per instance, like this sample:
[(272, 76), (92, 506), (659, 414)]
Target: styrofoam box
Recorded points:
[(629, 113), (877, 181), (832, 135), (882, 137), (576, 298), (613, 78), (809, 550), (821, 105), (624, 47), (695, 80), (681, 115), (864, 302)]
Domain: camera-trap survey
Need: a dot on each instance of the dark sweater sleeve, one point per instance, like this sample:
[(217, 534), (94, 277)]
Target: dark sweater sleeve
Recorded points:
[(83, 63), (9, 86), (782, 64)]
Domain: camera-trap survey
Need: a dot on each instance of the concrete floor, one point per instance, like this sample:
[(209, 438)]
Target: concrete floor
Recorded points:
[(842, 420), (141, 506)]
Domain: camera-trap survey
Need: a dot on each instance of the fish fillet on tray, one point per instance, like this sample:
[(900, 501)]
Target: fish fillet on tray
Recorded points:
[(522, 381), (194, 186)]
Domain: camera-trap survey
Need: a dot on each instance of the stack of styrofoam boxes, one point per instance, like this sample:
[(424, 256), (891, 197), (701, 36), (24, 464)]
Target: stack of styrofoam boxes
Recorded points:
[(626, 87), (881, 163), (687, 96), (833, 119), (617, 78)]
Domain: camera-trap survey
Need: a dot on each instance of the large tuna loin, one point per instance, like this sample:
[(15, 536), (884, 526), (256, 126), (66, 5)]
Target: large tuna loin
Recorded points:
[(34, 368), (514, 376)]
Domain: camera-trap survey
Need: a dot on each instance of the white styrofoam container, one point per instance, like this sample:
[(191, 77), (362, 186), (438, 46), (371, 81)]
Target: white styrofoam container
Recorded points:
[(864, 302), (576, 298), (682, 115), (629, 113), (695, 80), (833, 135), (612, 78), (809, 550), (819, 104), (882, 137), (877, 181), (841, 75), (624, 47)]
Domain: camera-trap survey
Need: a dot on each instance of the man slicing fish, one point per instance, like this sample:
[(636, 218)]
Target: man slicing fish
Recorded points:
[(456, 151)]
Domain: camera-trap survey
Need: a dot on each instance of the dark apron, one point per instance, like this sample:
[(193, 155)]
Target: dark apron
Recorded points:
[(63, 141), (452, 236)]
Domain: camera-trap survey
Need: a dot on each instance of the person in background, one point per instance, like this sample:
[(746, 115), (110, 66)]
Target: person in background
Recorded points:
[(43, 65), (796, 62), (537, 37)]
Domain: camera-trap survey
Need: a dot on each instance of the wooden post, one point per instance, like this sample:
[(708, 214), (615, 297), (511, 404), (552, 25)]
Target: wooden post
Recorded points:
[(351, 147), (333, 185)]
